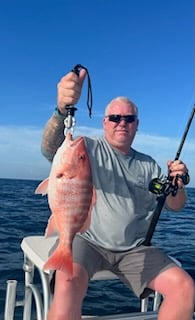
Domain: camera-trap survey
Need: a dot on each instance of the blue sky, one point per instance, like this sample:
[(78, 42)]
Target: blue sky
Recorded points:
[(143, 49)]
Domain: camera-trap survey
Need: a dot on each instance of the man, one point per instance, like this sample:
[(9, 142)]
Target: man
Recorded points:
[(121, 215)]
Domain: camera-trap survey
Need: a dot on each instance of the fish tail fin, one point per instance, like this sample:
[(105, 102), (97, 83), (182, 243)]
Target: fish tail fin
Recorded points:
[(60, 260)]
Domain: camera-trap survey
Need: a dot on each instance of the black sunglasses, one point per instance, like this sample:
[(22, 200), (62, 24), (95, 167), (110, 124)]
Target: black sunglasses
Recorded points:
[(129, 118)]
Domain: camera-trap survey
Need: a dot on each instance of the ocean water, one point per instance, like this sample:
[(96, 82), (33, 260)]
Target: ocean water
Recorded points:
[(22, 213)]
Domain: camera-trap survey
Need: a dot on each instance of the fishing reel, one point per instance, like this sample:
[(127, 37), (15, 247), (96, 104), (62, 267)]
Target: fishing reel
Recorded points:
[(163, 187), (166, 186)]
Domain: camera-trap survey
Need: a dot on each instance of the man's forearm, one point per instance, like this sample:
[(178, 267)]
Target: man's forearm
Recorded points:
[(177, 202), (53, 136)]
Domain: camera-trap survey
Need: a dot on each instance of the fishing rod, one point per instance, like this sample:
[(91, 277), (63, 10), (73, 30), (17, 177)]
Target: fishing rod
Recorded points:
[(163, 188)]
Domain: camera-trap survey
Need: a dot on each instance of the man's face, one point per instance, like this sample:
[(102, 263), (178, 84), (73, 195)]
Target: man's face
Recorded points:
[(120, 134)]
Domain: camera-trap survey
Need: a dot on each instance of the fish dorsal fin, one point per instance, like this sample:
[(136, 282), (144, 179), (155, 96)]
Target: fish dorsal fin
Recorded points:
[(42, 187)]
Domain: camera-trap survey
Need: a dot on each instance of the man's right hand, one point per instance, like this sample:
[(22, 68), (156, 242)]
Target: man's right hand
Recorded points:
[(69, 89)]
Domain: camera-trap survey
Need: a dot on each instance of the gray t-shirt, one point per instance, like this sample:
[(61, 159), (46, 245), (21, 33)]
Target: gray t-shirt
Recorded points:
[(124, 206)]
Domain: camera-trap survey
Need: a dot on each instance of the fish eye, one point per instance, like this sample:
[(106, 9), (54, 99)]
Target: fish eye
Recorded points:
[(59, 175)]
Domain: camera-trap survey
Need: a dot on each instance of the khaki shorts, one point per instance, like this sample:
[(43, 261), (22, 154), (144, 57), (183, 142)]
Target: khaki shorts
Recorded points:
[(136, 267)]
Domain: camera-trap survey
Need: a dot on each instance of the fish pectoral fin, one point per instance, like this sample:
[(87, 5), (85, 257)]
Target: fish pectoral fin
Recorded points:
[(88, 220), (42, 187), (51, 226), (61, 260)]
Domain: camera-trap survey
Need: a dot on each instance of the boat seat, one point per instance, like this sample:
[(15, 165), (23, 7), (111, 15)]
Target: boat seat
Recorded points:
[(36, 251)]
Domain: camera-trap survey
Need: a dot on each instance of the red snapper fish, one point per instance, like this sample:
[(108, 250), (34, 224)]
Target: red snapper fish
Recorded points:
[(70, 197)]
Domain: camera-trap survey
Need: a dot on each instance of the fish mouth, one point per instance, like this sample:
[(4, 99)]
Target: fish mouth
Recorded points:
[(76, 141), (72, 141)]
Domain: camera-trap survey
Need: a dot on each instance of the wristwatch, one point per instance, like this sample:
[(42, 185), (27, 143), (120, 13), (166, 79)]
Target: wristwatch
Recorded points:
[(59, 114)]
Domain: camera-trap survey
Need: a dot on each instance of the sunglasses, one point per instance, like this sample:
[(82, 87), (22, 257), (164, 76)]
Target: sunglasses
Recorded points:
[(118, 117)]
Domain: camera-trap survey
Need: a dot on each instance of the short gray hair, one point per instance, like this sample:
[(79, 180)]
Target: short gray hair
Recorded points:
[(124, 99)]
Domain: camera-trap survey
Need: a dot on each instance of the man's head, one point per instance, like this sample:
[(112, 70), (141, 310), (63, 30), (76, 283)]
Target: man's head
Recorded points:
[(120, 123)]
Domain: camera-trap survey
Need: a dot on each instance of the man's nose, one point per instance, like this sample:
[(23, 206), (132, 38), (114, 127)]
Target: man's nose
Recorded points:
[(123, 122)]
